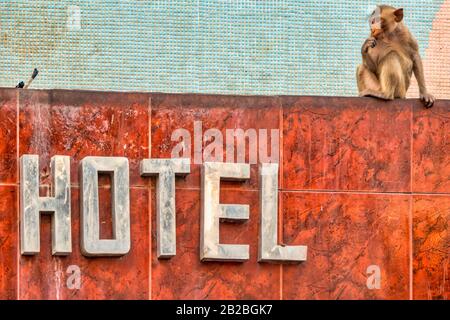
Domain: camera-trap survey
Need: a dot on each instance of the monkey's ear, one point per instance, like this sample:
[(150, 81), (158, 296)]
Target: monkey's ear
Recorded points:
[(398, 15)]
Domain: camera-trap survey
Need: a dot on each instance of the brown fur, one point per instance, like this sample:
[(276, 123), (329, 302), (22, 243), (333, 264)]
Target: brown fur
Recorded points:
[(390, 59)]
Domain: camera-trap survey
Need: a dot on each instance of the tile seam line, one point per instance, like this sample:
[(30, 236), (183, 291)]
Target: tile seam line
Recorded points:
[(281, 177), (150, 276), (149, 187), (362, 192), (18, 195), (411, 203)]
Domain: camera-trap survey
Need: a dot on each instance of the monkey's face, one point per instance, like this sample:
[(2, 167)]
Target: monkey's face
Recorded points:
[(384, 19), (375, 22)]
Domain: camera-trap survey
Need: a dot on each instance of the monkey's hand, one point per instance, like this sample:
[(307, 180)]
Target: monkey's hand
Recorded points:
[(369, 43), (427, 99)]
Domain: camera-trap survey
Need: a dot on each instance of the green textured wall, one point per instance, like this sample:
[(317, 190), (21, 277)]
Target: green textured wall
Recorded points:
[(207, 46)]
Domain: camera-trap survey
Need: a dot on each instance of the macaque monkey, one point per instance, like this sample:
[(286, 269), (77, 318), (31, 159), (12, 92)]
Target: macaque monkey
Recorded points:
[(390, 56)]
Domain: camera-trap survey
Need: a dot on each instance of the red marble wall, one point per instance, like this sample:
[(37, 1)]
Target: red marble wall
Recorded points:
[(362, 182)]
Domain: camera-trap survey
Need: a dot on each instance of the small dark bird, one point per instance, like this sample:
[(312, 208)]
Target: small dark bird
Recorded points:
[(21, 84)]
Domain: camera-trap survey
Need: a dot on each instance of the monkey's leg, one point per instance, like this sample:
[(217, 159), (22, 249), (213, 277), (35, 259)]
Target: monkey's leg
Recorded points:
[(392, 77), (366, 79), (368, 84)]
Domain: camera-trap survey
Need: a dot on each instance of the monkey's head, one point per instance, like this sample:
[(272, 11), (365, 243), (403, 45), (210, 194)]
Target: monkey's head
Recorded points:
[(385, 19)]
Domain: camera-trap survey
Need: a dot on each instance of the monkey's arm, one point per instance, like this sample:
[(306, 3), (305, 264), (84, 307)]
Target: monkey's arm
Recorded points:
[(369, 63), (367, 60), (427, 98)]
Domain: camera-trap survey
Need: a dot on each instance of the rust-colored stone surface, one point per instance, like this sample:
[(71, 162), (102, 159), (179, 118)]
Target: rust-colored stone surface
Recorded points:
[(172, 112), (431, 247), (45, 277), (362, 183), (346, 144), (8, 242), (8, 135), (81, 124), (431, 149), (185, 277), (347, 233)]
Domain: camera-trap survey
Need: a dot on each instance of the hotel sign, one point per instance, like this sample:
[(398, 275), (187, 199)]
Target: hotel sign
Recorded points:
[(32, 205)]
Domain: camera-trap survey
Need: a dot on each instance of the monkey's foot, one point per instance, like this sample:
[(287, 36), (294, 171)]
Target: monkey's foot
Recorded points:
[(374, 94)]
